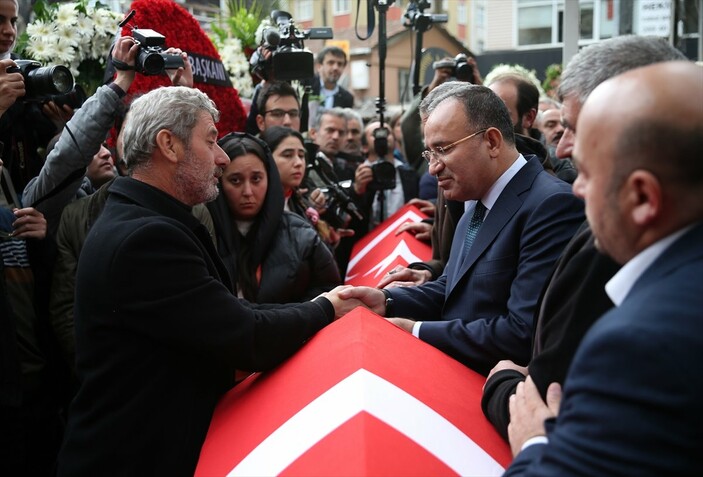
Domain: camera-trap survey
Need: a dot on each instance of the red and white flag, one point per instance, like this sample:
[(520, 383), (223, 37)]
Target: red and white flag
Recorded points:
[(361, 398), (381, 249)]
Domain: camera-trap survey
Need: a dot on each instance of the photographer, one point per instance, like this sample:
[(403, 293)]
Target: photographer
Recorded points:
[(25, 127), (65, 168), (384, 182), (410, 123)]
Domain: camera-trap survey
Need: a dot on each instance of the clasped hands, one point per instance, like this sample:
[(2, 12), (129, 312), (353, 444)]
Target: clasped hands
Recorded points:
[(345, 298)]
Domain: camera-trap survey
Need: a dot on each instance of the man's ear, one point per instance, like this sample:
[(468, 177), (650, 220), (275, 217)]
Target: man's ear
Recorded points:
[(528, 120), (495, 141), (260, 122), (312, 133), (643, 196), (168, 145)]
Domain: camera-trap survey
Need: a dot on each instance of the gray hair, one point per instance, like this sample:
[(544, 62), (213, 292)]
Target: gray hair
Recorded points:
[(436, 96), (482, 107), (337, 112), (353, 114), (175, 108), (606, 59)]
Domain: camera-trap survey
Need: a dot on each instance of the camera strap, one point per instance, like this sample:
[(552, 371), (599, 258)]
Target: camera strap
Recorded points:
[(370, 20), (121, 65), (9, 190), (72, 177)]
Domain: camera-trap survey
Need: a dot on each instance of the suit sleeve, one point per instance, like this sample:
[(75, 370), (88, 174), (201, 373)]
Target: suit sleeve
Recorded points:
[(626, 407), (175, 299), (423, 303), (496, 394)]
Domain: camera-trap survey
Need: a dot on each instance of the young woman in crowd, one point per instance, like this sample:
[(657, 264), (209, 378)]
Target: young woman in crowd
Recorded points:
[(273, 256), (288, 151)]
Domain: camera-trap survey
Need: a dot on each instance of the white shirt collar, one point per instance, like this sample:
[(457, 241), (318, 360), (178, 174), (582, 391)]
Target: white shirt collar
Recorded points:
[(498, 186), (622, 282)]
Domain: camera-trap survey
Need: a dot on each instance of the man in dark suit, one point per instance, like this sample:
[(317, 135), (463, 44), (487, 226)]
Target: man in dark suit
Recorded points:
[(631, 399), (331, 62), (159, 332), (480, 310)]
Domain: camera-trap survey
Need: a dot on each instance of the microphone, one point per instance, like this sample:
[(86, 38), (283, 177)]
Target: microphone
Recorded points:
[(272, 37)]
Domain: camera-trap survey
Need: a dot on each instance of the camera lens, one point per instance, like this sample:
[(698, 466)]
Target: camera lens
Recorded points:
[(150, 62), (49, 80), (62, 79), (74, 98)]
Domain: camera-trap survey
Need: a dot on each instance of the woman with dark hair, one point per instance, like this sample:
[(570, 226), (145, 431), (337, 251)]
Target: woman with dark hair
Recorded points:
[(288, 151), (273, 256)]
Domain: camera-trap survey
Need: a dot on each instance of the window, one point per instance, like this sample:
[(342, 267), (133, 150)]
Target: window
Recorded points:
[(586, 22), (461, 18), (535, 23), (341, 6), (608, 25), (303, 10), (541, 22), (688, 17)]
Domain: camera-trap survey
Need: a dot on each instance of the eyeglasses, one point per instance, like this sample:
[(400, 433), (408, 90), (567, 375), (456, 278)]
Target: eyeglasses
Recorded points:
[(280, 113), (434, 155)]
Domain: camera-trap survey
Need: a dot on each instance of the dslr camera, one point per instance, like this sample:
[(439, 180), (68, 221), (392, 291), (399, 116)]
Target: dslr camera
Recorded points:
[(383, 172), (151, 59), (461, 69), (289, 59), (340, 207), (49, 83)]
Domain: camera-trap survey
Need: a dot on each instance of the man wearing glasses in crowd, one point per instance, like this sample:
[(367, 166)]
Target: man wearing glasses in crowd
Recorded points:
[(278, 105), (518, 219)]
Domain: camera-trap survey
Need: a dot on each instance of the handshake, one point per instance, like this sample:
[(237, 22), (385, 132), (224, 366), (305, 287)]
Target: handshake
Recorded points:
[(345, 298)]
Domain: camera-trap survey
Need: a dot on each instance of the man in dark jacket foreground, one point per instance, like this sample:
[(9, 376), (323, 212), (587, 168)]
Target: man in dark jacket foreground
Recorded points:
[(159, 333)]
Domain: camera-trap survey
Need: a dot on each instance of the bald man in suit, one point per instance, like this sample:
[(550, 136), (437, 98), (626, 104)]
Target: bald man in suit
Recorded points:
[(631, 399)]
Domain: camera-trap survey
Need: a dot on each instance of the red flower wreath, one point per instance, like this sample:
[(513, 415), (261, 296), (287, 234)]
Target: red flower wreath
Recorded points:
[(183, 31)]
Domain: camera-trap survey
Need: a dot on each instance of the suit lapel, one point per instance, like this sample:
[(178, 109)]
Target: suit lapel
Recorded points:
[(508, 203)]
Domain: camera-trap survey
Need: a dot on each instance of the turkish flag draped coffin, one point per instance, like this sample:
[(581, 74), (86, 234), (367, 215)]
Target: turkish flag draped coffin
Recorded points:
[(361, 398), (381, 250)]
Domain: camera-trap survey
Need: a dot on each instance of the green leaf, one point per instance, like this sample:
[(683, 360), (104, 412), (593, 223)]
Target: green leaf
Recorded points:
[(43, 10)]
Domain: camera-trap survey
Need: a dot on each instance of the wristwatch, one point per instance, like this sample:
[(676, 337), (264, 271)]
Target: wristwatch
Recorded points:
[(389, 302)]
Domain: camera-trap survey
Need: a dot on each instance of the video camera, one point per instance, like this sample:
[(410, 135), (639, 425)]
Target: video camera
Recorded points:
[(416, 17), (461, 68), (289, 59), (49, 83), (151, 59), (340, 207)]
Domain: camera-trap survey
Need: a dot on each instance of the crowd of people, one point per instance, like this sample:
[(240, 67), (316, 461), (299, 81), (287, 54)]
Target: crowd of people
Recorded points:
[(140, 281)]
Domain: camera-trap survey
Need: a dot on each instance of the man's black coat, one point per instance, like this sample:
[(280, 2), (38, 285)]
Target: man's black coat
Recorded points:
[(159, 336)]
